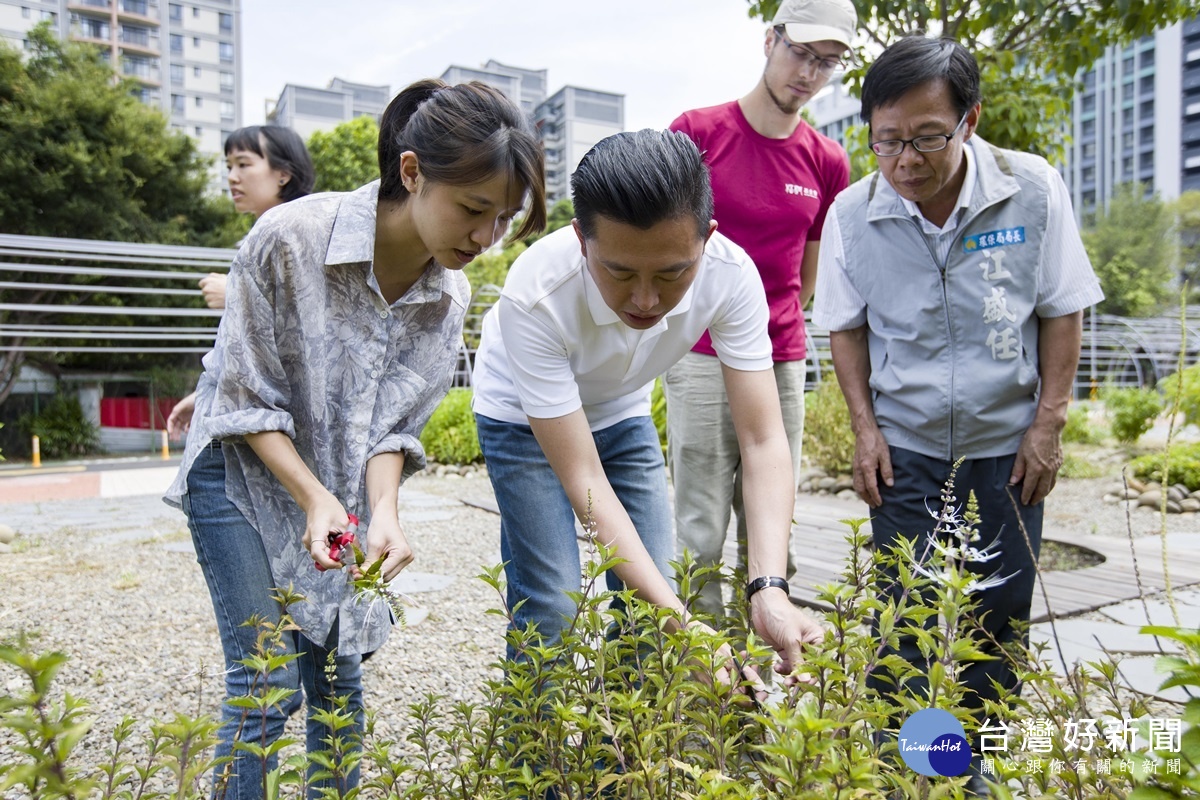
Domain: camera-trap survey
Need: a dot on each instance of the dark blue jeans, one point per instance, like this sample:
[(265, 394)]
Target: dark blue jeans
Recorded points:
[(235, 566), (905, 512)]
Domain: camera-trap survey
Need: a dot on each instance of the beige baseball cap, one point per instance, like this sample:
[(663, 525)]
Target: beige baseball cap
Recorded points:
[(817, 20)]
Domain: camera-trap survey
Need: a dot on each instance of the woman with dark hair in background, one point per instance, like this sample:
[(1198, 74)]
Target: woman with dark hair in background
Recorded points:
[(268, 166), (340, 337)]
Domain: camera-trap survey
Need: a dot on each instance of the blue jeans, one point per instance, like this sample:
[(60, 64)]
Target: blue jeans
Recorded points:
[(537, 525), (235, 566)]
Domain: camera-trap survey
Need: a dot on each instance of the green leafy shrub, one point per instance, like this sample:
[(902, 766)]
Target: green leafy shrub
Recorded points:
[(1131, 412), (61, 428), (1075, 467), (450, 437), (828, 438), (628, 704), (658, 412), (1079, 428), (1186, 385), (1182, 461)]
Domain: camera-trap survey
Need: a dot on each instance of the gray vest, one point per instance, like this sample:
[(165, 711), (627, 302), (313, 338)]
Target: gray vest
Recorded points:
[(954, 345)]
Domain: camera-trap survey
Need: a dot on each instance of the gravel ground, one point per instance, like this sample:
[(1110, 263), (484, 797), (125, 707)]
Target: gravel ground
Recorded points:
[(114, 584)]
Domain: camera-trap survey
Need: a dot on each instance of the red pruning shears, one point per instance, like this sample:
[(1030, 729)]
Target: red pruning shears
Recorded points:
[(341, 543)]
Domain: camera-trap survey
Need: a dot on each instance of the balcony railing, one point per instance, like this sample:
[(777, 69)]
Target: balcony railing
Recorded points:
[(141, 70), (142, 39), (139, 7)]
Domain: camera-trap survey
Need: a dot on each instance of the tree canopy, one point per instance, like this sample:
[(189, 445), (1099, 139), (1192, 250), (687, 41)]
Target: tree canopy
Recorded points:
[(1130, 246), (345, 157), (1029, 51), (81, 157), (1186, 209)]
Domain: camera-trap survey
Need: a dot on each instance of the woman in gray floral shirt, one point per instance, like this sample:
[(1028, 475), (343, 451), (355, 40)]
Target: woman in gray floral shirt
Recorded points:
[(342, 328)]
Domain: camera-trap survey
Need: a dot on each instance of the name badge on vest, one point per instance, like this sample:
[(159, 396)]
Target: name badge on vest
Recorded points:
[(982, 241)]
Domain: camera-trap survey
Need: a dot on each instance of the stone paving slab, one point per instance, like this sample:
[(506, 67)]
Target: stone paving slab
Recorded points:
[(1137, 672), (1133, 613)]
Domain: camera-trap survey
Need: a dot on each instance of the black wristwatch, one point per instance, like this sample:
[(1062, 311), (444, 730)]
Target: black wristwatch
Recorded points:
[(766, 582)]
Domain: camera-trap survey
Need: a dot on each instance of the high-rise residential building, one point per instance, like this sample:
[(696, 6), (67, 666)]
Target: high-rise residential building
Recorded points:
[(526, 87), (569, 122), (185, 56), (307, 109), (1135, 117)]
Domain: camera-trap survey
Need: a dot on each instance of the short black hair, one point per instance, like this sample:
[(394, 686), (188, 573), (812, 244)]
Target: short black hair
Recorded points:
[(641, 178), (283, 149), (914, 61)]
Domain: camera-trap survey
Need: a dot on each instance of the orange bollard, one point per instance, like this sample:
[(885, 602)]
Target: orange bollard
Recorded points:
[(166, 450), (37, 451)]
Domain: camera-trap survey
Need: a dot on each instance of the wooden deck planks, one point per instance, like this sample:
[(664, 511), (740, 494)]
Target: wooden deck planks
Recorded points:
[(823, 553)]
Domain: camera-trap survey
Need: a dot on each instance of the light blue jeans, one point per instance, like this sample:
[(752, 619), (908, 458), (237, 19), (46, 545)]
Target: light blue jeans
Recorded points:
[(537, 525), (235, 566)]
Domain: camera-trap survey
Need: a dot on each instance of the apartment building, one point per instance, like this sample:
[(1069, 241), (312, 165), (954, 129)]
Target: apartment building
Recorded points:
[(307, 109), (569, 121), (1136, 117), (184, 56)]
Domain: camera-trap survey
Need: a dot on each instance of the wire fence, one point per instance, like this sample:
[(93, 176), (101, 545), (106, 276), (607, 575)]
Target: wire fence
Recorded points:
[(71, 295)]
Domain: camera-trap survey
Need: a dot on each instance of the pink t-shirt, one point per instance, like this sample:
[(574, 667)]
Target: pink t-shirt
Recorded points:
[(771, 196)]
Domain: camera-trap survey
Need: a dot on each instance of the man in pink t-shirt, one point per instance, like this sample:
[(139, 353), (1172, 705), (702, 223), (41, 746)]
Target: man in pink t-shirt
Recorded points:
[(773, 179)]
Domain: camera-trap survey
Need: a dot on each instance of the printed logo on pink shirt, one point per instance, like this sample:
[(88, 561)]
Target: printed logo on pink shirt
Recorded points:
[(792, 188)]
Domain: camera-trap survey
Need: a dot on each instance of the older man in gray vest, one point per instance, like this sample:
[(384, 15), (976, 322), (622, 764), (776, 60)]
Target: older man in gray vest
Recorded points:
[(953, 282)]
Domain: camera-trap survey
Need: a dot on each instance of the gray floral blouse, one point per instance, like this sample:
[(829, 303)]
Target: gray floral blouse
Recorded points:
[(308, 346)]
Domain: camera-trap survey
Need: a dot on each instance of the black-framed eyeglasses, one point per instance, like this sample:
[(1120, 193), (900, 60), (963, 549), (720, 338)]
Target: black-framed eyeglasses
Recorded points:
[(930, 143), (805, 57)]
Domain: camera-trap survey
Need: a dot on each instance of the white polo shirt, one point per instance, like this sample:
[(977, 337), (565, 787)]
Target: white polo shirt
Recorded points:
[(551, 345)]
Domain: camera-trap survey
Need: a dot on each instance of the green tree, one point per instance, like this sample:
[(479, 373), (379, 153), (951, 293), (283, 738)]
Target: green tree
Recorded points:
[(81, 157), (346, 157), (1130, 247), (1029, 51), (1186, 210), (559, 216)]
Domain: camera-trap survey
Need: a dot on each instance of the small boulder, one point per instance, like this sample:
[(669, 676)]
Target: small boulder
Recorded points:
[(1150, 498), (7, 534)]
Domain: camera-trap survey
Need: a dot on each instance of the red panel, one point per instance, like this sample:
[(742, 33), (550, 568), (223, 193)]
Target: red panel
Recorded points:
[(134, 412)]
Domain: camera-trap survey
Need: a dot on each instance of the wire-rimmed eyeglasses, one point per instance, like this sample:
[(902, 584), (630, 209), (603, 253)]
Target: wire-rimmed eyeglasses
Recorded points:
[(929, 143), (806, 58)]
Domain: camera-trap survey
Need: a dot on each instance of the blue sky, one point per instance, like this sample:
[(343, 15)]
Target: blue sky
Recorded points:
[(665, 56)]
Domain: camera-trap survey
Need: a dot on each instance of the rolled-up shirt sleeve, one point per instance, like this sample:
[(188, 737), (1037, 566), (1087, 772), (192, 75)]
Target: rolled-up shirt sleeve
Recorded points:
[(253, 391)]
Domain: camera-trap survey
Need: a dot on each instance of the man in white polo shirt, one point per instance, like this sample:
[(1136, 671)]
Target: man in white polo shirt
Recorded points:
[(589, 316)]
